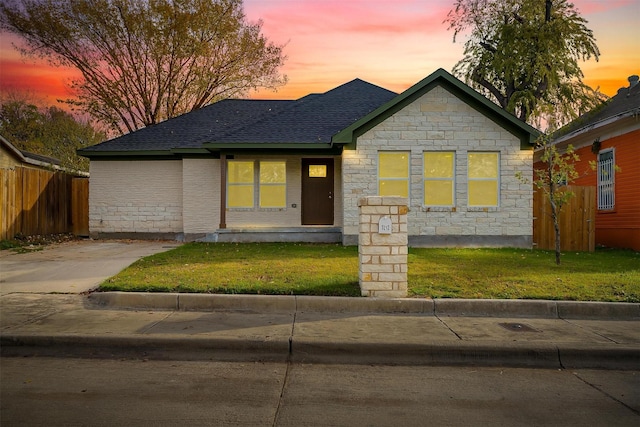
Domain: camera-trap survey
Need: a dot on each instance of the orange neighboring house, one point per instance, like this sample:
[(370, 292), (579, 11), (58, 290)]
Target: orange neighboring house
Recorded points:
[(610, 136)]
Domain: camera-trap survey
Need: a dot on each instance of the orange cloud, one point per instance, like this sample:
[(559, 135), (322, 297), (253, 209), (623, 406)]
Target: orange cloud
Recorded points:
[(38, 78), (391, 44)]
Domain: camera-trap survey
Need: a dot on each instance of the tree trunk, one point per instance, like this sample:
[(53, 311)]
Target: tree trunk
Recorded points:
[(556, 225), (554, 207)]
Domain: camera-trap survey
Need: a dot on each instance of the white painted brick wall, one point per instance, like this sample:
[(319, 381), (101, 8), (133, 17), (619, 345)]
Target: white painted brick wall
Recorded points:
[(201, 198), (440, 121), (135, 196)]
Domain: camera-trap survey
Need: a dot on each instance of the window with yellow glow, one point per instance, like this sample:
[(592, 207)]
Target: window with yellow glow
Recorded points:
[(317, 171), (273, 184), (393, 173), (438, 174), (483, 179), (240, 184)]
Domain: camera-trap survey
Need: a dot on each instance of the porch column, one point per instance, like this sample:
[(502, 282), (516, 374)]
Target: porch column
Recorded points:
[(223, 191), (383, 246)]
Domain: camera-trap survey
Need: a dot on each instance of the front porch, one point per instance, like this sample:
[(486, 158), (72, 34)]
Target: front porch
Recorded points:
[(307, 234)]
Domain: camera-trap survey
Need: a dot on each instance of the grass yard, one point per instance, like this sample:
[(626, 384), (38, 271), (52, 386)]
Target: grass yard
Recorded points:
[(320, 269)]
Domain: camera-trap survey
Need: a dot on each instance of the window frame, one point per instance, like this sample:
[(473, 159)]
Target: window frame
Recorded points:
[(451, 179), (256, 184), (231, 185), (491, 179), (606, 199), (406, 179), (269, 184)]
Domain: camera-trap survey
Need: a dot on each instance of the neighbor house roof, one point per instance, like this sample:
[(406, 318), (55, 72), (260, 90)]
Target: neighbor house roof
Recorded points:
[(28, 157), (308, 122), (626, 103)]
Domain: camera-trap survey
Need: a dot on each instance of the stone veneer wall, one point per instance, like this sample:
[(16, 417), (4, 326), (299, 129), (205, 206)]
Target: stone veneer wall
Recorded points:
[(382, 258), (135, 197), (439, 121)]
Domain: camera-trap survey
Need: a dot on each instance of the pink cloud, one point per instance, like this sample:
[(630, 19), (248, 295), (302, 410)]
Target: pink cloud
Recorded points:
[(589, 7), (285, 19), (393, 44)]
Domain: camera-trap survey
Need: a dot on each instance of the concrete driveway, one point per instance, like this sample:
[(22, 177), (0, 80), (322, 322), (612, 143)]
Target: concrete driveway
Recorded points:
[(72, 267)]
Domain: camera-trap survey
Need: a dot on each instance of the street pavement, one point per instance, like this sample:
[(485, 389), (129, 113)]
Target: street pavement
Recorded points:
[(38, 320), (53, 391)]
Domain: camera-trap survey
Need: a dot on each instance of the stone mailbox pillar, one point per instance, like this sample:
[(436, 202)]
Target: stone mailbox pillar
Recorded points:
[(382, 246)]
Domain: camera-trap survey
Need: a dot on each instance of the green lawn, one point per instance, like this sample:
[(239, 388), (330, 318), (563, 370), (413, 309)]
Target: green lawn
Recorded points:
[(321, 269)]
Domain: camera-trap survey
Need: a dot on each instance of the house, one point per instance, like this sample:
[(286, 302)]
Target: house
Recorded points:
[(260, 170), (609, 136), (11, 156)]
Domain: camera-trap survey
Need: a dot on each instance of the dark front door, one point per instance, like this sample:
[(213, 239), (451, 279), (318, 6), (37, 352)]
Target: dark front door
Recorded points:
[(317, 191)]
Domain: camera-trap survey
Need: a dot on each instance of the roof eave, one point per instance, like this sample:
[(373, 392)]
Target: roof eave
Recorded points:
[(124, 153), (210, 149), (268, 145), (596, 125)]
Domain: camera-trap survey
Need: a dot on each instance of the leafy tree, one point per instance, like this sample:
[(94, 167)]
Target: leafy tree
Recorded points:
[(524, 55), (144, 61), (559, 172), (49, 131)]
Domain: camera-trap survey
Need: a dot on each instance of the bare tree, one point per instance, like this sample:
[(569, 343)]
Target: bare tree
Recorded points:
[(144, 61)]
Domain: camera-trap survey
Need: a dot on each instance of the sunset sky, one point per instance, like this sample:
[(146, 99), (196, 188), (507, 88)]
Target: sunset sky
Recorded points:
[(391, 43)]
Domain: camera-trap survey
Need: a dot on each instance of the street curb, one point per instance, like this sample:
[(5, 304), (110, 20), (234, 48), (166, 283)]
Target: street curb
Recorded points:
[(436, 307), (143, 347), (450, 353)]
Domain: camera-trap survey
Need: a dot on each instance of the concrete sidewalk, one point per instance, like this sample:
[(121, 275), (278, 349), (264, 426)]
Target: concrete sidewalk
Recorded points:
[(546, 334)]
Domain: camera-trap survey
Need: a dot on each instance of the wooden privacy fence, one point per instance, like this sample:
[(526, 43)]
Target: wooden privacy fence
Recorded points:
[(577, 221), (36, 201)]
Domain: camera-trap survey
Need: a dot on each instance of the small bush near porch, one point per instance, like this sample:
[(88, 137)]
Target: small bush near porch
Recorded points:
[(319, 269)]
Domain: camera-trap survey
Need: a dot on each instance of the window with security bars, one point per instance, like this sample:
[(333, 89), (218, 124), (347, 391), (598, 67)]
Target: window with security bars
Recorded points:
[(606, 180)]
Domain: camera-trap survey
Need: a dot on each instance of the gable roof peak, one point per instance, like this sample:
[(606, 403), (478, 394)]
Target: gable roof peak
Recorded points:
[(440, 77)]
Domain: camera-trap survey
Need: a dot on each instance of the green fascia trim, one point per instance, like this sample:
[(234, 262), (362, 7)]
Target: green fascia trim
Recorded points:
[(179, 153), (527, 134), (190, 151), (133, 153), (336, 150), (267, 146), (173, 154), (275, 148)]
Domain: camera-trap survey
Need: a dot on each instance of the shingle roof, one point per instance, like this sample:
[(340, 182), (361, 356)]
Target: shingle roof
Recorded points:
[(312, 119), (190, 129), (624, 102)]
